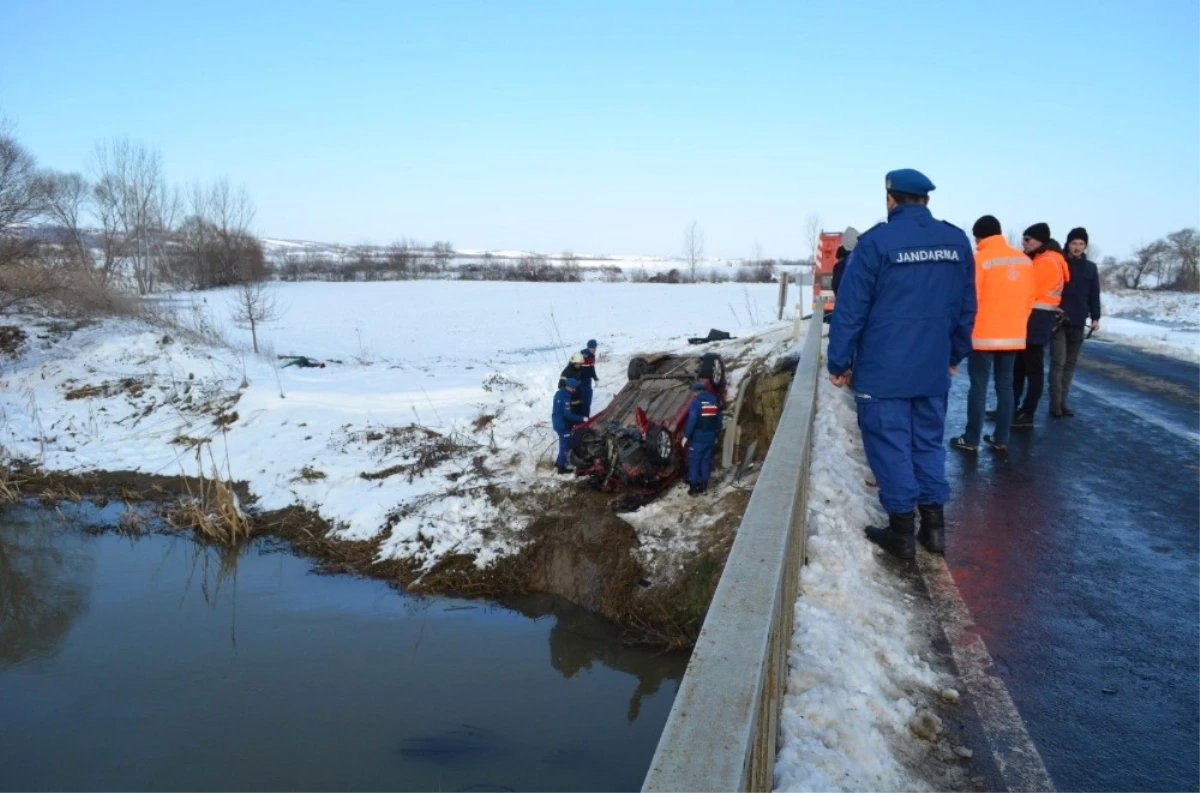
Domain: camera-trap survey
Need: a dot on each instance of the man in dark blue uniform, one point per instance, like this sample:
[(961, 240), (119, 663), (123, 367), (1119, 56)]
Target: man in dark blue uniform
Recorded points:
[(563, 419), (903, 323), (587, 375), (700, 437)]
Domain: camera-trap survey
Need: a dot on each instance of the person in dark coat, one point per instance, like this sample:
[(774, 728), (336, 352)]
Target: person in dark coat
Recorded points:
[(700, 437), (849, 240), (1050, 274), (574, 369), (1080, 301), (904, 321), (588, 376), (564, 420)]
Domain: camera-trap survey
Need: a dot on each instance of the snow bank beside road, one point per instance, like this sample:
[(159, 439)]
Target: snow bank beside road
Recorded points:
[(1162, 322), (857, 670)]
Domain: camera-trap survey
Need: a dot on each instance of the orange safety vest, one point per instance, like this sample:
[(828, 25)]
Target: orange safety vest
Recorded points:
[(1004, 289), (1051, 272)]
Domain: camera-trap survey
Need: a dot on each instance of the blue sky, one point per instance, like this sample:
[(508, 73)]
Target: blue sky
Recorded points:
[(606, 127)]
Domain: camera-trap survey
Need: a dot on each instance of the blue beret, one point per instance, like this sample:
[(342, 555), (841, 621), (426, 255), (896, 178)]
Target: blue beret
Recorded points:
[(909, 180), (591, 343), (572, 383)]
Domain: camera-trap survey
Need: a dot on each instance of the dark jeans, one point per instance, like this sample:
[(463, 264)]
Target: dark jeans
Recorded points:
[(1031, 366), (979, 367), (1064, 352)]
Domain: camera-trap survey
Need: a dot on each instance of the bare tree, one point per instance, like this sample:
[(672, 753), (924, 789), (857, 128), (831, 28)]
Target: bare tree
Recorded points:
[(693, 248), (215, 246), (67, 199), (254, 303), (443, 252), (133, 195), (1185, 255), (400, 257), (812, 229), (1147, 262), (21, 198)]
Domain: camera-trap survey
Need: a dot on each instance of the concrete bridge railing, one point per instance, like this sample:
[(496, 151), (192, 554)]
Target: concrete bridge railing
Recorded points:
[(723, 729)]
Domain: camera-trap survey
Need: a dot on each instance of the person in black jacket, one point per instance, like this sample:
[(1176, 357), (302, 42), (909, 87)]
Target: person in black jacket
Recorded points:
[(1080, 301), (574, 371), (849, 240)]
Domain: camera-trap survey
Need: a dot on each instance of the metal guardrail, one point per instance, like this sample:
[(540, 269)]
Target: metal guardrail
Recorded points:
[(723, 728)]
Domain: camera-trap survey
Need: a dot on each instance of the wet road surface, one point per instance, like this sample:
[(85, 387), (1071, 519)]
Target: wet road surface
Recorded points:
[(1078, 558)]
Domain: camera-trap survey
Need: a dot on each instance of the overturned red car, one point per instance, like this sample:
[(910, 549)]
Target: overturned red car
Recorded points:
[(634, 444)]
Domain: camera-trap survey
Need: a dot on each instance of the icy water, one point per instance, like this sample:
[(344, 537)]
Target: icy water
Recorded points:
[(154, 663)]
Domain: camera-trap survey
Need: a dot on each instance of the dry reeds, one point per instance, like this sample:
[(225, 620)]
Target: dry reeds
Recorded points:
[(212, 512), (10, 490)]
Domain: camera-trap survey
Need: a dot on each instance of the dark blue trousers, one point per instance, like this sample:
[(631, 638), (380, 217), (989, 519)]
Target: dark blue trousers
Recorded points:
[(700, 452), (564, 446), (585, 395), (903, 439), (979, 367)]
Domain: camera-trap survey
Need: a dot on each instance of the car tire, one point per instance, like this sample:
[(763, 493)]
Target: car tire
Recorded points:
[(712, 368), (638, 367), (659, 446), (586, 444)]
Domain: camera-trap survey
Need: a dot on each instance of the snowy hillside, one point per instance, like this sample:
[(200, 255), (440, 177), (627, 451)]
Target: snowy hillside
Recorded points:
[(432, 392)]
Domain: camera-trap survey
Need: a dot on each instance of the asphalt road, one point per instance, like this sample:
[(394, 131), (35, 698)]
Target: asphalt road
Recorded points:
[(1078, 556)]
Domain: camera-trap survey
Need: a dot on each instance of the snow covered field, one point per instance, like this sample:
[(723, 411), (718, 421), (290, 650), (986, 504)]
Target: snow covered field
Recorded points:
[(858, 680), (433, 391), (1163, 322)]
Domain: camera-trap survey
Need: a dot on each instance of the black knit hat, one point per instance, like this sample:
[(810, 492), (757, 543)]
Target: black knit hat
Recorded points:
[(1077, 233), (986, 226), (1039, 232)]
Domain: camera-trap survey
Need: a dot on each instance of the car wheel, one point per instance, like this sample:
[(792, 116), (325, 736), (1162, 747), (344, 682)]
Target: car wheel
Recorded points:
[(713, 369), (587, 444), (659, 445), (638, 367)]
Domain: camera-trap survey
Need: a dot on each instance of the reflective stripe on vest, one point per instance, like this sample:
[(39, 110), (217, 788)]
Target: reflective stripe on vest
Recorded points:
[(990, 263), (983, 344), (708, 409), (1046, 306)]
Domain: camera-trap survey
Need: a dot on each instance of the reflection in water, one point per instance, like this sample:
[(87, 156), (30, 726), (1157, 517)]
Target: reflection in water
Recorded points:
[(578, 640), (44, 584), (167, 665)]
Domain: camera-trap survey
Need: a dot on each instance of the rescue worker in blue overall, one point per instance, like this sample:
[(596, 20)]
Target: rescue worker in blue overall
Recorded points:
[(700, 437), (587, 375), (903, 323), (564, 419)]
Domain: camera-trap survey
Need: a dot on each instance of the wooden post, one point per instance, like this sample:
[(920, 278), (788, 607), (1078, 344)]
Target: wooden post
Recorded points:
[(783, 290)]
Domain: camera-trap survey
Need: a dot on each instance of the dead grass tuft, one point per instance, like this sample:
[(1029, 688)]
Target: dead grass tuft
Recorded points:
[(10, 490), (128, 385), (211, 511), (11, 340), (310, 474)]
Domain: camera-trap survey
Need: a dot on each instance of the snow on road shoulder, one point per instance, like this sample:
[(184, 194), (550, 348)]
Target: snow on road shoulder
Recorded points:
[(857, 671), (1162, 322)]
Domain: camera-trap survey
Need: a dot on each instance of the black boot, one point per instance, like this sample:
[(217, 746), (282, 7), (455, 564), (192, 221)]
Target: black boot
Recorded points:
[(898, 538), (932, 533)]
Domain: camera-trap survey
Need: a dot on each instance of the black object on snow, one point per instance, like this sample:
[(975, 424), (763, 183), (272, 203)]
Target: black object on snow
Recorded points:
[(713, 335)]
